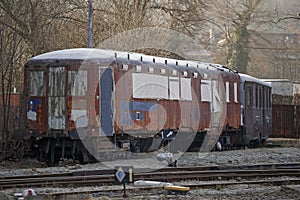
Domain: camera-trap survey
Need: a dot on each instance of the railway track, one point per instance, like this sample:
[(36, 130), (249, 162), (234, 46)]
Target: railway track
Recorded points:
[(156, 190), (106, 177)]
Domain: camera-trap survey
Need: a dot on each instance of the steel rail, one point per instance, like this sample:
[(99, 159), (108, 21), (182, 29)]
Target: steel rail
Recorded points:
[(172, 175)]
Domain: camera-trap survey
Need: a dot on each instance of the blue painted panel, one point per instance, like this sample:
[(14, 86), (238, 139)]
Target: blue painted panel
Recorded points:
[(130, 111), (32, 104), (145, 106), (138, 106), (106, 101)]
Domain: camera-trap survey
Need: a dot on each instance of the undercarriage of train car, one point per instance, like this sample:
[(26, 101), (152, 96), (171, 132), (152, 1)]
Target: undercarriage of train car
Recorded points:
[(57, 147), (103, 148)]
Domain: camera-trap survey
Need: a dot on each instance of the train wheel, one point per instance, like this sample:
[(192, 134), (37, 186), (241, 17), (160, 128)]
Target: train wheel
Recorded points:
[(253, 144)]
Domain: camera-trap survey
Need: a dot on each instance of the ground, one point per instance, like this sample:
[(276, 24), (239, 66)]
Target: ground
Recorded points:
[(236, 157)]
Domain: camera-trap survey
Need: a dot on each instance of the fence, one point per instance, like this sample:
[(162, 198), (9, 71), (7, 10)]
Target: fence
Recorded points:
[(286, 121)]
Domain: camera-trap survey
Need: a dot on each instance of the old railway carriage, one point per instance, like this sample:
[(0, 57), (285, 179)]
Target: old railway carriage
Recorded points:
[(111, 100), (256, 116)]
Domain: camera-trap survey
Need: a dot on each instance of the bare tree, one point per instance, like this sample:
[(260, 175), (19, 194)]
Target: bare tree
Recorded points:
[(112, 17), (233, 19), (186, 16), (11, 51), (41, 23)]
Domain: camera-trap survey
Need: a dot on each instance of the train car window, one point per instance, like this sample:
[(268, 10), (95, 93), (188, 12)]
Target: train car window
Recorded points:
[(261, 97), (151, 70), (268, 102), (174, 88), (57, 79), (149, 86), (265, 92), (227, 92), (77, 83), (138, 68), (195, 75), (249, 93), (267, 97), (235, 87), (174, 72), (256, 96), (37, 83), (186, 89), (56, 100), (57, 113), (270, 98), (206, 91)]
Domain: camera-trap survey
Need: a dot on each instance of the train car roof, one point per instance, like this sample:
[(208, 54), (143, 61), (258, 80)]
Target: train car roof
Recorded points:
[(248, 78), (76, 54), (82, 54), (172, 62), (94, 53)]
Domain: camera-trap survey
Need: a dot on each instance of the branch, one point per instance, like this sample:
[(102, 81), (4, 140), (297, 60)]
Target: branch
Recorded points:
[(288, 18)]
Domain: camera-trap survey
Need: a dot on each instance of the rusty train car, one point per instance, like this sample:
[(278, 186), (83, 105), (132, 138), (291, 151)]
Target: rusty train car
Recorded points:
[(108, 100)]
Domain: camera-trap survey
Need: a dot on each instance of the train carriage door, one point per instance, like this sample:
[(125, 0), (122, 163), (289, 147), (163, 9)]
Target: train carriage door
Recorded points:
[(56, 98), (106, 102)]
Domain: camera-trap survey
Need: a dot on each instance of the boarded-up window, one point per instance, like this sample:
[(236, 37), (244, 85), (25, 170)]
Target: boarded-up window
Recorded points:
[(186, 89), (77, 83), (227, 92), (57, 79), (174, 88), (206, 90), (150, 86), (37, 83), (216, 97), (235, 87)]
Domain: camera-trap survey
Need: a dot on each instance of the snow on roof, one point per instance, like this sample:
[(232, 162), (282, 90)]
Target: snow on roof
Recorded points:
[(76, 54), (94, 53), (275, 80), (248, 78)]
